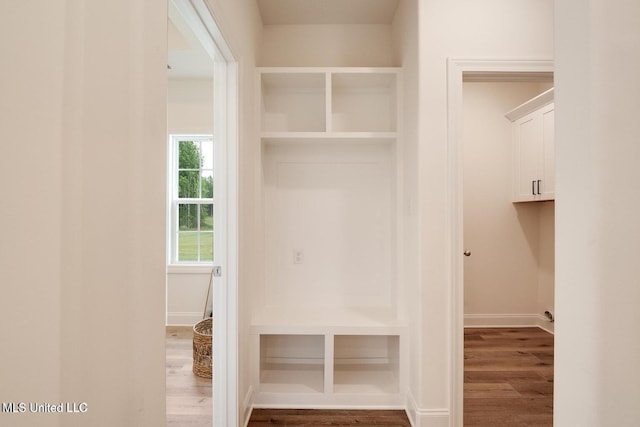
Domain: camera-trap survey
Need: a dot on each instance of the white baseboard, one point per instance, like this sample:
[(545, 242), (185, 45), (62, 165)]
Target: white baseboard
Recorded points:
[(507, 321), (247, 405), (546, 325), (181, 318), (419, 417)]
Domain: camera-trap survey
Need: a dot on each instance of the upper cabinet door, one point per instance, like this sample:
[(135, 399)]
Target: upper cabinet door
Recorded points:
[(526, 145), (548, 184), (533, 149)]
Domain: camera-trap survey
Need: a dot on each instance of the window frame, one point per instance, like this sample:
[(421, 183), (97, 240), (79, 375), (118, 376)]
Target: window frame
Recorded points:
[(175, 200)]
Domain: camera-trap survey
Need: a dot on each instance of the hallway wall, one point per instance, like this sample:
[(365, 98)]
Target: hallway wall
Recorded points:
[(597, 379), (82, 252)]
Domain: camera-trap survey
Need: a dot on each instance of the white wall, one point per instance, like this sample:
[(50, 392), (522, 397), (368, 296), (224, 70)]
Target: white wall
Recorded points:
[(463, 29), (190, 106), (83, 264), (187, 289), (189, 110), (506, 278), (315, 196), (31, 207), (597, 380), (326, 46)]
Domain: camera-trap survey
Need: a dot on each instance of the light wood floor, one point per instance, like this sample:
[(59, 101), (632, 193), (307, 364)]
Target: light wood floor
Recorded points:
[(508, 377), (189, 397)]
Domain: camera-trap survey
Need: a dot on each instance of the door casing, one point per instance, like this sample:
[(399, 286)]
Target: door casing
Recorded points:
[(225, 134)]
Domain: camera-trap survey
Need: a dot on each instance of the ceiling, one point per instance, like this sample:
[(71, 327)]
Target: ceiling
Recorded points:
[(317, 12), (187, 58)]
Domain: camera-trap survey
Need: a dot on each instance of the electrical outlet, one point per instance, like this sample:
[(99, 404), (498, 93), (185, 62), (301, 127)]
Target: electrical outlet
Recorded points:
[(298, 256)]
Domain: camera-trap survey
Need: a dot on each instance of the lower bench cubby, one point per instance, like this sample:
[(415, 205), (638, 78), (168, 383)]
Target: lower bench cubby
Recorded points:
[(292, 363), (329, 370), (367, 364)]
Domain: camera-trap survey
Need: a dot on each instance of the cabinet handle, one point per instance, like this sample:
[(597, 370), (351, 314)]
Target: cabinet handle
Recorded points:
[(533, 188), (539, 186)]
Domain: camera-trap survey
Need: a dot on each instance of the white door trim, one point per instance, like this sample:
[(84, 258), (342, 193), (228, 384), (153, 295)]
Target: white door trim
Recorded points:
[(456, 68), (225, 288)]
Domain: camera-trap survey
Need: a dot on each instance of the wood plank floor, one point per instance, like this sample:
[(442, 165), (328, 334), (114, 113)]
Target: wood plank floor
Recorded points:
[(189, 397), (317, 418), (508, 377)]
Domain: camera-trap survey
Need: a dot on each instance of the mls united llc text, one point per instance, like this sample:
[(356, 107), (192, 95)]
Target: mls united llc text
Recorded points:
[(44, 408)]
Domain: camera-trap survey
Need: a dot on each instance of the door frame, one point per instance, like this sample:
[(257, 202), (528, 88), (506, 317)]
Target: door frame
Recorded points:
[(225, 129), (457, 68)]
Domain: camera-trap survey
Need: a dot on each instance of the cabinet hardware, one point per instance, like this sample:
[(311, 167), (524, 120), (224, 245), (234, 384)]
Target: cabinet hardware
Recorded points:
[(533, 188), (467, 253), (539, 186)]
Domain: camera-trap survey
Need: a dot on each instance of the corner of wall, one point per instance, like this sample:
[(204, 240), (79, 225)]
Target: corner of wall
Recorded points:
[(247, 407), (419, 417)]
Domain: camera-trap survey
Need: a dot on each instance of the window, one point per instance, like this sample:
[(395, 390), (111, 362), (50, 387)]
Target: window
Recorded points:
[(192, 198)]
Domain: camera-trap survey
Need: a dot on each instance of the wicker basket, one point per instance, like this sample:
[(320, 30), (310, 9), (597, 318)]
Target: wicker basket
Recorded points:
[(202, 348)]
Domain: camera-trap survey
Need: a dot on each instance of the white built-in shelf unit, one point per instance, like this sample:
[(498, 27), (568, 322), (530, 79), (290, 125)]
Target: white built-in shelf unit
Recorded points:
[(328, 103), (327, 324)]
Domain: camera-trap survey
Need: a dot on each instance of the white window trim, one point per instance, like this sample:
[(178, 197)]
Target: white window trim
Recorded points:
[(174, 265)]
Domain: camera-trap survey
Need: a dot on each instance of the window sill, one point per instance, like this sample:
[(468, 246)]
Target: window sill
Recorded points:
[(189, 268)]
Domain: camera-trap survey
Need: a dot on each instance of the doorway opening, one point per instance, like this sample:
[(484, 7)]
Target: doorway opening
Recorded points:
[(488, 72), (202, 208), (509, 259)]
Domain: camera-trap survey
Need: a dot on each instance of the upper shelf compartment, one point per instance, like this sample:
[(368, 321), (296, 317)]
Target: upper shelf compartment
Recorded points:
[(321, 103), (363, 102), (293, 102)]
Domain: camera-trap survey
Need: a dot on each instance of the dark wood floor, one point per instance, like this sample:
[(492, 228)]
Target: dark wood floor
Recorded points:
[(317, 418), (508, 377), (189, 397)]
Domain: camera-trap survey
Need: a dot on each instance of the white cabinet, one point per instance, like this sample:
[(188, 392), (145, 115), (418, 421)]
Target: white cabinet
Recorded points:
[(533, 149), (327, 325)]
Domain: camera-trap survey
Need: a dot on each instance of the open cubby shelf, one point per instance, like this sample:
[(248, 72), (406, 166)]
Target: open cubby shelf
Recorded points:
[(328, 100), (293, 102), (365, 379), (328, 367), (292, 363)]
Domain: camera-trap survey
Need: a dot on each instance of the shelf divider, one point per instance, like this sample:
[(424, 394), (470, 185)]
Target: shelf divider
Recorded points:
[(328, 363)]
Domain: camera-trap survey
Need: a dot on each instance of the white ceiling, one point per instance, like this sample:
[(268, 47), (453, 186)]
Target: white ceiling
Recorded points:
[(315, 12), (186, 56)]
